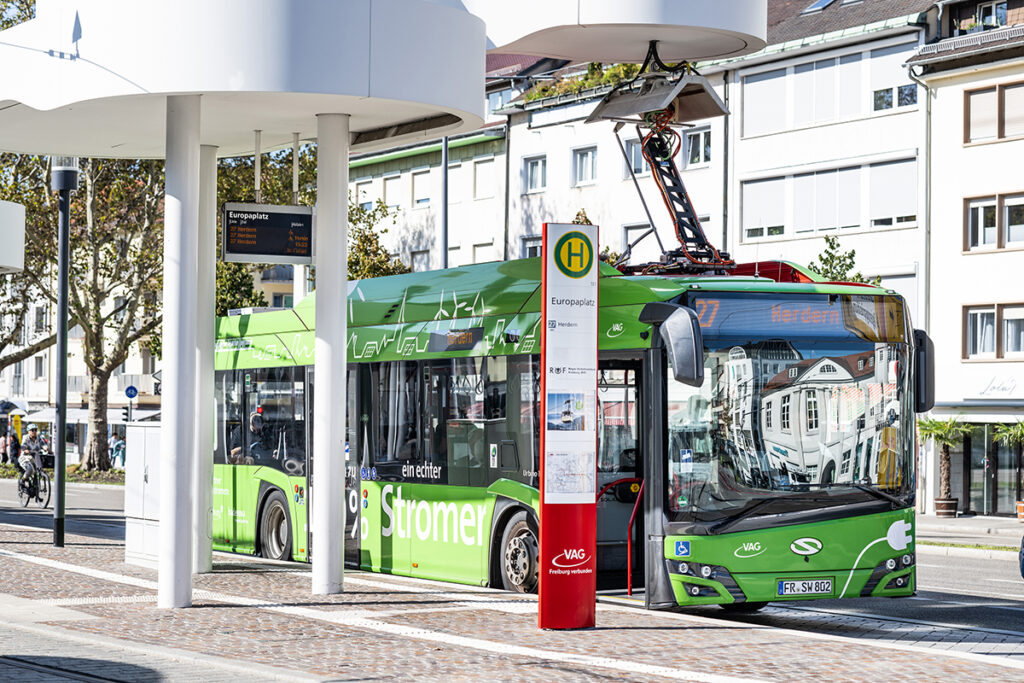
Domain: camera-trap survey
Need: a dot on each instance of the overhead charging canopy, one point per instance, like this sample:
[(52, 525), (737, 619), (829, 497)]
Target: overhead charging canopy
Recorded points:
[(690, 96)]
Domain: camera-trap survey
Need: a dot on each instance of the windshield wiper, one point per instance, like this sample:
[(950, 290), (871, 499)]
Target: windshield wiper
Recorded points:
[(722, 526), (878, 494)]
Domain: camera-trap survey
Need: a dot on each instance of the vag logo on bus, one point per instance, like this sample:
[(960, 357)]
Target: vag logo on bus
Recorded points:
[(574, 254), (571, 557), (749, 550), (806, 546)]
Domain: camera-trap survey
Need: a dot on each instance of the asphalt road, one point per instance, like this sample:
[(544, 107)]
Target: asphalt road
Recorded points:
[(90, 510)]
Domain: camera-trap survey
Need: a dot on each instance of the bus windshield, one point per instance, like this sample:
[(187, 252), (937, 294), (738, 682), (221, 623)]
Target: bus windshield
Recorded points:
[(805, 404)]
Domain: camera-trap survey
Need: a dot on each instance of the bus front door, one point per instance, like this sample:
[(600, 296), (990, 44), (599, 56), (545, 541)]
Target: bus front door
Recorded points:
[(618, 465)]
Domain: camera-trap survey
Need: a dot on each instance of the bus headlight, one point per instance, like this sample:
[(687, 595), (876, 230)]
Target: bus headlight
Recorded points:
[(890, 564), (907, 559), (705, 571), (684, 568)]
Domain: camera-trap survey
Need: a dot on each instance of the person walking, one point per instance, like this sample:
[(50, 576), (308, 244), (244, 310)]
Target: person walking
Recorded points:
[(3, 449)]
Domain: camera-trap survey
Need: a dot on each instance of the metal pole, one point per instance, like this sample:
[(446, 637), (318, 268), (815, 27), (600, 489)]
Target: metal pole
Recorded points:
[(177, 436), (202, 482), (257, 173), (444, 202), (63, 272), (329, 437)]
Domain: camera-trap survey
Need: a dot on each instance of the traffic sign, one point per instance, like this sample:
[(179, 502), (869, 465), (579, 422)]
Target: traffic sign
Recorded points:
[(131, 392)]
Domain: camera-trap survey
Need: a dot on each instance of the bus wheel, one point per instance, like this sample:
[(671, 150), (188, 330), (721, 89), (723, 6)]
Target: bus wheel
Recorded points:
[(519, 555), (744, 607), (275, 532)]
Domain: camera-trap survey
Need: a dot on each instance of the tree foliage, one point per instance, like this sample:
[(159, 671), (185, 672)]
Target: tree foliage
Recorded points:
[(837, 266), (597, 75), (367, 257)]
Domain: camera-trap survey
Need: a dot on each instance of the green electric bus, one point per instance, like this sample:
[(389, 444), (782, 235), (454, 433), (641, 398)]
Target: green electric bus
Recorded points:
[(756, 432)]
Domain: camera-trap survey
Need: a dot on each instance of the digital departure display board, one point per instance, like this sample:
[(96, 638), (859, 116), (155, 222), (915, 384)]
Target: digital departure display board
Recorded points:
[(261, 233)]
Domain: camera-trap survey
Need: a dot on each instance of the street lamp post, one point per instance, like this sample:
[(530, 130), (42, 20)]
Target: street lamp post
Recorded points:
[(63, 179)]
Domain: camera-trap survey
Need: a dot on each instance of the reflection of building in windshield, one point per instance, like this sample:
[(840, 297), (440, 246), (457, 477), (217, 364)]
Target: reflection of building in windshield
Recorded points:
[(825, 420)]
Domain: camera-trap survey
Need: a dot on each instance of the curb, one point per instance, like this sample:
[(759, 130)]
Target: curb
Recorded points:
[(979, 553)]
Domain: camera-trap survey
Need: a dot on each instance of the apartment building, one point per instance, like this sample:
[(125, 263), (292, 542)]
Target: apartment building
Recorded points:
[(974, 74)]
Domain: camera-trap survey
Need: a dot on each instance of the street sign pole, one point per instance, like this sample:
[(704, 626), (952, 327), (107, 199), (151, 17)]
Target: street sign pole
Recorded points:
[(568, 437)]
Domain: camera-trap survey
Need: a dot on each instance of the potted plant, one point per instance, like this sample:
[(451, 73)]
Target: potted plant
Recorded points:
[(945, 433), (1012, 436)]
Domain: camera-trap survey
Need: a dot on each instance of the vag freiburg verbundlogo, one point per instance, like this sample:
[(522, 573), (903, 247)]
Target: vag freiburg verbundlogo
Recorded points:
[(574, 254), (806, 546), (571, 557)]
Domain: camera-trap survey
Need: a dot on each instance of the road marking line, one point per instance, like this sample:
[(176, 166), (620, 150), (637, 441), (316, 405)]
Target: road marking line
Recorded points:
[(356, 621), (1013, 581), (974, 594), (986, 605)]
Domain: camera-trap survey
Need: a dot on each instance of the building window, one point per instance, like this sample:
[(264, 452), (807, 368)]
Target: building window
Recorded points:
[(40, 367), (421, 188), (532, 246), (497, 100), (584, 166), (483, 179), (282, 300), (457, 188), (826, 200), (1013, 330), (363, 196), (637, 162), (420, 261), (894, 194), (482, 253), (148, 362), (768, 414), (762, 96), (535, 172), (994, 113), (784, 413), (392, 192), (817, 6), (994, 222), (981, 222), (698, 147), (764, 208), (1013, 219), (644, 251), (883, 99), (992, 14), (981, 332), (42, 324), (907, 95), (793, 372), (812, 411)]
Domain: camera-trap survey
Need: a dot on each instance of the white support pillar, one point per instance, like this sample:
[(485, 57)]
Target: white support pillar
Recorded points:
[(202, 480), (329, 414), (177, 437)]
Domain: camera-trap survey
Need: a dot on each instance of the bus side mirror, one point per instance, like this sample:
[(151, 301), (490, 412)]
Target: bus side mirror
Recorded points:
[(680, 331), (924, 379)]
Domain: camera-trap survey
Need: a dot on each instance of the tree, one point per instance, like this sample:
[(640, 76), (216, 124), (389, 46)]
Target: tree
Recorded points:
[(946, 433), (837, 266), (1010, 435), (116, 268), (367, 257), (235, 288)]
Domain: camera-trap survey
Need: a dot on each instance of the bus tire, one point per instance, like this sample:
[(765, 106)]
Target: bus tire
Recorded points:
[(519, 551), (828, 475), (744, 607), (275, 530)]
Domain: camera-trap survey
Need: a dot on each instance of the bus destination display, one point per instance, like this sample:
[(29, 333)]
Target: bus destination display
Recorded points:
[(261, 233)]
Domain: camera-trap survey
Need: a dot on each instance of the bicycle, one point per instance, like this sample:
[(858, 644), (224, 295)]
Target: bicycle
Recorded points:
[(36, 487)]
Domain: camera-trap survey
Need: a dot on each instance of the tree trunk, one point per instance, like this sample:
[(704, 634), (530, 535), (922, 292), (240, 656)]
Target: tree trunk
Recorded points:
[(945, 490), (96, 455)]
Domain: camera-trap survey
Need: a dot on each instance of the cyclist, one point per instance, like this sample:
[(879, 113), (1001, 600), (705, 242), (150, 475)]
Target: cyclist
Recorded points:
[(32, 449)]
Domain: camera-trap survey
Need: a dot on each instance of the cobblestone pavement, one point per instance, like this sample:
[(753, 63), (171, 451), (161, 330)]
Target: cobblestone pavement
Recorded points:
[(257, 615)]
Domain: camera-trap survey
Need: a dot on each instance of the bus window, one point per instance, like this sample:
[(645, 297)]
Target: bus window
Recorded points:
[(522, 421), (617, 421), (467, 448), (397, 414), (276, 433), (228, 402)]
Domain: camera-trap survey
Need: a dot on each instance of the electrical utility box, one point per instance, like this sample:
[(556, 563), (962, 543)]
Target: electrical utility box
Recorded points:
[(142, 494)]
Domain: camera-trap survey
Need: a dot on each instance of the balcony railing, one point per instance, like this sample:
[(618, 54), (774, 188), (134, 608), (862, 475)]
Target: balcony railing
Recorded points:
[(144, 383)]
